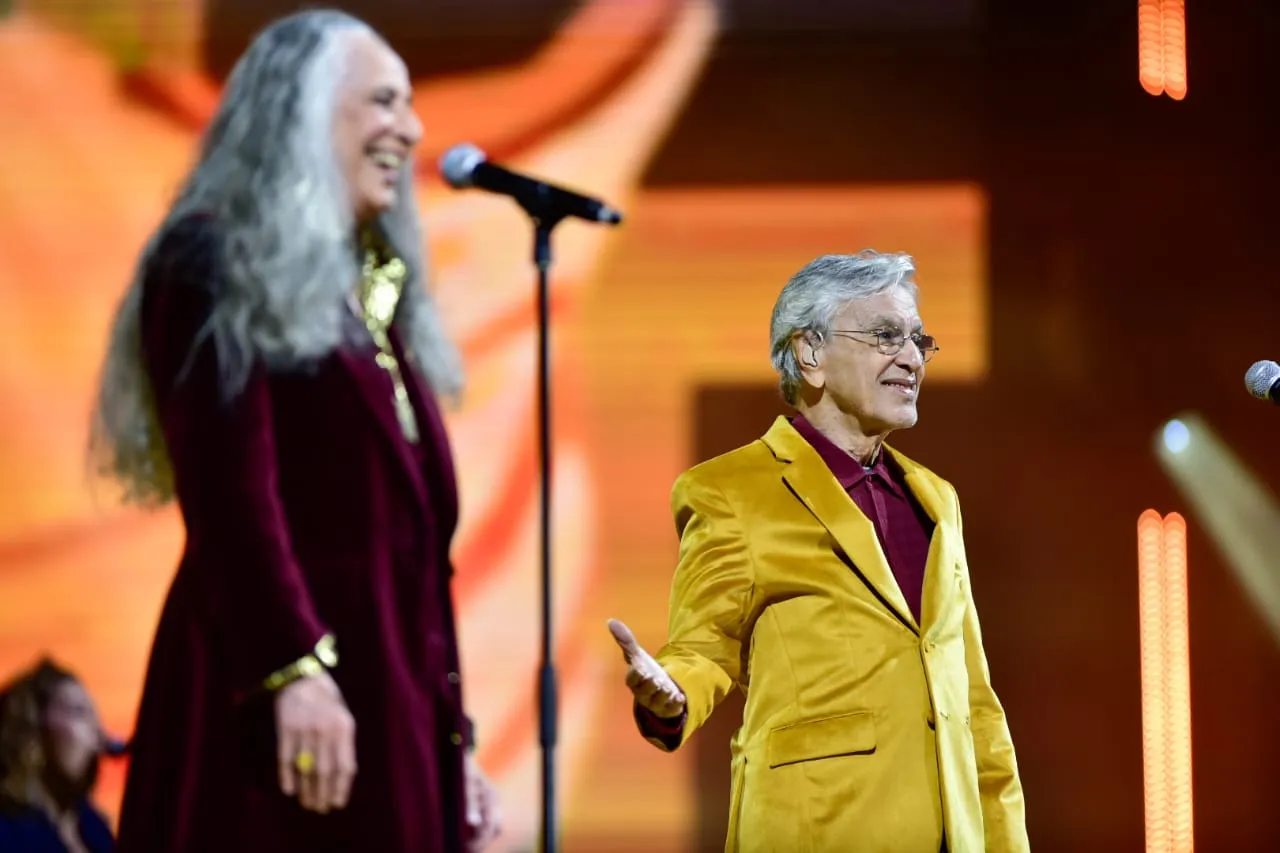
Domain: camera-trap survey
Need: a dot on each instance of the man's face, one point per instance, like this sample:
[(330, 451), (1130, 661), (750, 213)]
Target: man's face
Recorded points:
[(878, 390), (375, 128)]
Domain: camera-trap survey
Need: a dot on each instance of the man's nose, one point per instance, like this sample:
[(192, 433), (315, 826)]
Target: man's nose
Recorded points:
[(910, 355)]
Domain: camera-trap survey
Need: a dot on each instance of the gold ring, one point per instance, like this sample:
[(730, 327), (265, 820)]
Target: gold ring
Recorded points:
[(305, 762)]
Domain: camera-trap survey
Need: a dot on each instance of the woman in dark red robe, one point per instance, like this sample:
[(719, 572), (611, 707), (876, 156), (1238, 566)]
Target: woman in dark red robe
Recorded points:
[(274, 368)]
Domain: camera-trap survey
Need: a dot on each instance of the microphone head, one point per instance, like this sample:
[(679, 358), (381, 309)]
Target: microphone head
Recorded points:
[(458, 164), (1261, 377)]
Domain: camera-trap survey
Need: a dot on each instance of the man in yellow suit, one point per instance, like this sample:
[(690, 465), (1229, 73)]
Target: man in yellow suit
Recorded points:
[(824, 574)]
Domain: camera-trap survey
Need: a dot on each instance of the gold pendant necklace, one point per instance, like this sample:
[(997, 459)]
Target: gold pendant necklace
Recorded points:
[(381, 285)]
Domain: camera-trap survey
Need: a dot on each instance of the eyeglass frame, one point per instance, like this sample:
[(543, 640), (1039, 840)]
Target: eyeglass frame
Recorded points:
[(889, 348)]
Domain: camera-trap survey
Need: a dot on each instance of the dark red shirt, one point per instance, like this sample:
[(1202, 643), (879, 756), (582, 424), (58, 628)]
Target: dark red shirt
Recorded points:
[(881, 492)]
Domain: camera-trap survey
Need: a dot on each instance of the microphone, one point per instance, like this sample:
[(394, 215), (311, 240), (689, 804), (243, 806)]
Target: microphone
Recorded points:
[(464, 166), (1263, 381)]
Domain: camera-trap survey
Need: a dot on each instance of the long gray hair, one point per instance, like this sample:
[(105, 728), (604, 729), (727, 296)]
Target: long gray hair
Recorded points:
[(268, 174)]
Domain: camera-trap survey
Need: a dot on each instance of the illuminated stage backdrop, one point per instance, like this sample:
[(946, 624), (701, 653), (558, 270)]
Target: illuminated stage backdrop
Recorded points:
[(679, 297)]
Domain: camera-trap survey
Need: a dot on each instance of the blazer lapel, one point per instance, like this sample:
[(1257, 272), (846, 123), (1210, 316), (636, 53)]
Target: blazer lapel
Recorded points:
[(940, 574), (813, 483), (375, 386)]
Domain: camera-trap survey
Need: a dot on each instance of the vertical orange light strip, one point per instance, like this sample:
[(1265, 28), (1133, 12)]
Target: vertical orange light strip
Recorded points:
[(1166, 684), (1173, 25), (1150, 47), (1155, 770), (1162, 47), (1178, 680)]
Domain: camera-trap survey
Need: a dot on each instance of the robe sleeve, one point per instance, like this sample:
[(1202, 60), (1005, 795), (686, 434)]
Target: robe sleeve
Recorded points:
[(254, 598)]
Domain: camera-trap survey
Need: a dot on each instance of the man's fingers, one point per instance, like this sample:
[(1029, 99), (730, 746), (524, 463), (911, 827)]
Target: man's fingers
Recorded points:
[(664, 706), (649, 683), (645, 666), (625, 639), (652, 686), (661, 697), (671, 706), (644, 692), (642, 672)]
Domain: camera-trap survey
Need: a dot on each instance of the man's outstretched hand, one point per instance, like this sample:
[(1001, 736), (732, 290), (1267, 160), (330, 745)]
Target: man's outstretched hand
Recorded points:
[(653, 688)]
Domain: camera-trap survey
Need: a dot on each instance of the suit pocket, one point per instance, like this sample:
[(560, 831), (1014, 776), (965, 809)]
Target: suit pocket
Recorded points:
[(828, 737)]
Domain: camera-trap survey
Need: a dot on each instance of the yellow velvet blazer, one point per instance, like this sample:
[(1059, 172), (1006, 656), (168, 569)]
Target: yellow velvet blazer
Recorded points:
[(863, 732)]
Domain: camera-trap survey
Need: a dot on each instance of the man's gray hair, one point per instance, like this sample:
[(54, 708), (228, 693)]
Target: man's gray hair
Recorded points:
[(268, 173), (816, 294)]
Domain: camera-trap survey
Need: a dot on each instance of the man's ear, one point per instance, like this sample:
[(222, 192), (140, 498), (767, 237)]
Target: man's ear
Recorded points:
[(806, 346)]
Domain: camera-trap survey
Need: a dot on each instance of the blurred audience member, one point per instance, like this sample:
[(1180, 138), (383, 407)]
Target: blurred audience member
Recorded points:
[(50, 745)]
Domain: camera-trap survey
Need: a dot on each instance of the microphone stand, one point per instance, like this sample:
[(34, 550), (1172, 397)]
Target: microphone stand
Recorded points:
[(547, 687), (547, 211)]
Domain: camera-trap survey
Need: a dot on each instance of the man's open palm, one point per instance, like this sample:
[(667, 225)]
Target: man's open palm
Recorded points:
[(649, 682)]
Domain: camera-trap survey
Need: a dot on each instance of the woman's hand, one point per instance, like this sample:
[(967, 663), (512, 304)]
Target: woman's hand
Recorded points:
[(316, 743), (484, 821)]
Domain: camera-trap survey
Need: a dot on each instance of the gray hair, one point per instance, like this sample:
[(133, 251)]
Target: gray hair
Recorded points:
[(268, 174), (816, 294)]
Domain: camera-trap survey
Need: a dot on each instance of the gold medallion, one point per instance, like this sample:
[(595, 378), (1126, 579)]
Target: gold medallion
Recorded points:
[(381, 286)]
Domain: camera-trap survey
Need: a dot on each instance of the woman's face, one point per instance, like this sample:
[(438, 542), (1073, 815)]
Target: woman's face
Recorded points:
[(376, 129), (74, 732)]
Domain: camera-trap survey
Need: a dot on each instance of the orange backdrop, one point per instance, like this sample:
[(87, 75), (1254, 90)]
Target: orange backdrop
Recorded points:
[(677, 298)]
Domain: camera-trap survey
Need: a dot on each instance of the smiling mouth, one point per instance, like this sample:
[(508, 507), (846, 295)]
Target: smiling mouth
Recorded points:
[(388, 162), (904, 387)]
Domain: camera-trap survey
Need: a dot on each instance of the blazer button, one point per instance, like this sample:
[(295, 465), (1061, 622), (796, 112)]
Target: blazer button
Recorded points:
[(454, 678), (455, 739)]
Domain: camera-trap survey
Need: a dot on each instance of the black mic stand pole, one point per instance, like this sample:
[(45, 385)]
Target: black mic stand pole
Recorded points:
[(547, 700), (546, 214)]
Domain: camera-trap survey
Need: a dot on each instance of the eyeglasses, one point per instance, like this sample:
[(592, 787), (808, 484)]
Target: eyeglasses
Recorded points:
[(891, 342)]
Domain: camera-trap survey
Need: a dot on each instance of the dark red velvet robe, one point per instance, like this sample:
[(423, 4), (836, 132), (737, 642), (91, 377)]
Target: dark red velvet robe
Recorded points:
[(306, 512)]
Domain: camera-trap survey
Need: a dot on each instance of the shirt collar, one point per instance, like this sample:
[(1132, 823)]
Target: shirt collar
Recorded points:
[(847, 470)]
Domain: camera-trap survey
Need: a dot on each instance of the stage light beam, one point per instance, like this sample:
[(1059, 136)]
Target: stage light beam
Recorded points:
[(1233, 507)]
